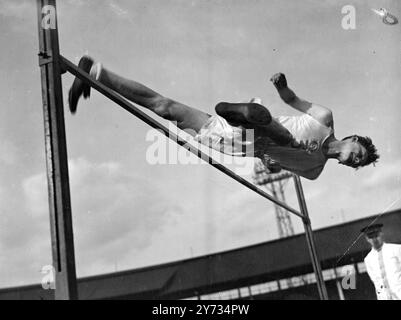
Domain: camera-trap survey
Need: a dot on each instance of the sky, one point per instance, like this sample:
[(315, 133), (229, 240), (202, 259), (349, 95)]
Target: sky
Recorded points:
[(128, 213)]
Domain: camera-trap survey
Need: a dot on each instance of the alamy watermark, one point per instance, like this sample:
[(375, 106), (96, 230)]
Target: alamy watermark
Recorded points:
[(213, 148), (49, 19), (348, 281), (48, 281), (348, 22)]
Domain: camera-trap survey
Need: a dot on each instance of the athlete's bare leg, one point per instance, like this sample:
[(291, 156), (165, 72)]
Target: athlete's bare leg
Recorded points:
[(248, 115), (185, 117)]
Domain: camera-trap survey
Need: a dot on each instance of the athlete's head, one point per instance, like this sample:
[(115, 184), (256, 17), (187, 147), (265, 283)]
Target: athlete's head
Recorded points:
[(358, 152)]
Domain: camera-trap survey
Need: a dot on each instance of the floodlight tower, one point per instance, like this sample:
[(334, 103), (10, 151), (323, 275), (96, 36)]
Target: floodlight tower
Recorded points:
[(276, 182)]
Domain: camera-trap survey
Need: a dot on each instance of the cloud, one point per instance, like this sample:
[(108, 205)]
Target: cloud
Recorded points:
[(8, 153), (193, 231), (385, 175), (35, 193), (117, 9), (115, 214), (125, 220), (17, 9), (246, 222), (24, 231)]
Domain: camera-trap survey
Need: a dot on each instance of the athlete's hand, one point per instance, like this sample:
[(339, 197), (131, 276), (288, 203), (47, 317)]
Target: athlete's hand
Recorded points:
[(279, 81)]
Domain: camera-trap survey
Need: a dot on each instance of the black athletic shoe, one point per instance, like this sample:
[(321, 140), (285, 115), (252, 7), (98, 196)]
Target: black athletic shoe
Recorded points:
[(79, 87), (244, 113)]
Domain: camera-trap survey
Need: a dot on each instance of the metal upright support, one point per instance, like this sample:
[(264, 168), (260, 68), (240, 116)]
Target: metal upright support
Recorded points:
[(56, 153), (310, 239)]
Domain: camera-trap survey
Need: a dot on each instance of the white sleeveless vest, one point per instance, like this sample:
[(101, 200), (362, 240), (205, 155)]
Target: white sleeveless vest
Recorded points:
[(220, 135)]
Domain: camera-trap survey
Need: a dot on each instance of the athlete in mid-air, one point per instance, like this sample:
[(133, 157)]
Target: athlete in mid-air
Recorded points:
[(300, 144)]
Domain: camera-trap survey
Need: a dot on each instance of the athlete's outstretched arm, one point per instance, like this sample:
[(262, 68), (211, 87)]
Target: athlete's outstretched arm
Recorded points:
[(320, 113)]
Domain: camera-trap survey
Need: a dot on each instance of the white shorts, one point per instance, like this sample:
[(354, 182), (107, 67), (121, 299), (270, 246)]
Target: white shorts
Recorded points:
[(218, 134)]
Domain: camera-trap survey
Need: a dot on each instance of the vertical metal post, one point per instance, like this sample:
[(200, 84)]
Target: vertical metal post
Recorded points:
[(339, 287), (310, 239), (56, 153)]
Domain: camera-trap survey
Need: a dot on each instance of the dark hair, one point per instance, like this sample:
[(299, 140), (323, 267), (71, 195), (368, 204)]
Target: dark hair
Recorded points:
[(370, 148)]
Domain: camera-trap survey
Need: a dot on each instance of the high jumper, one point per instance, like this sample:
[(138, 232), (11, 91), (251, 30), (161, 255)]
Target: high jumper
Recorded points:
[(299, 144)]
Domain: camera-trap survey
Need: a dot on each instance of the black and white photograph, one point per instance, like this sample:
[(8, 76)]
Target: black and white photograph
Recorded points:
[(201, 154)]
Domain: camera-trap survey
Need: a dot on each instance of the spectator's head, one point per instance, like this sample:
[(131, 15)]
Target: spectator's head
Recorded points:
[(374, 235)]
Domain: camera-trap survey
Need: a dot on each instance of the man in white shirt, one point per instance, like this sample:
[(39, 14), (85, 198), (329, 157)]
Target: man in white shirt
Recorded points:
[(383, 264)]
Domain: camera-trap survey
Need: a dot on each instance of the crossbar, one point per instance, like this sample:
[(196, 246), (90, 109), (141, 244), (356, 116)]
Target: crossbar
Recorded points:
[(115, 97)]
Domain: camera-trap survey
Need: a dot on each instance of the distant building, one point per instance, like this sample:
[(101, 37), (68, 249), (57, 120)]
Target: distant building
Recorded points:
[(279, 269)]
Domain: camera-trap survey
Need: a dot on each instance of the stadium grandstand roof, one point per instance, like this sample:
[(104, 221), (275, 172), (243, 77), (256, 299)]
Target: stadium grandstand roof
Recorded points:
[(221, 271)]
